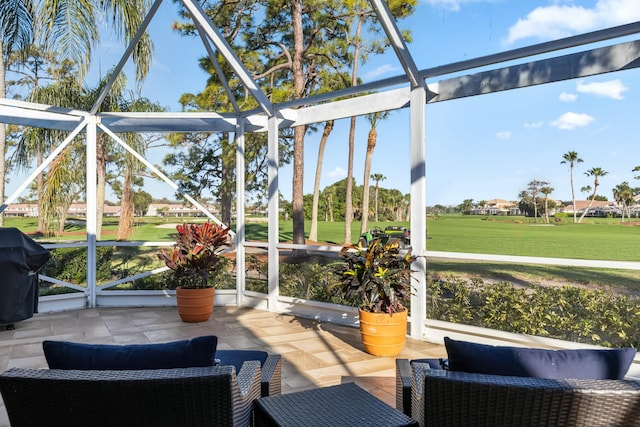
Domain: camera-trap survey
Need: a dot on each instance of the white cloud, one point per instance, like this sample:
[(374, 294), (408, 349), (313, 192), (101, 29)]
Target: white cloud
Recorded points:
[(611, 89), (570, 121), (556, 21), (534, 125), (379, 71), (453, 5), (568, 97), (504, 135), (337, 173)]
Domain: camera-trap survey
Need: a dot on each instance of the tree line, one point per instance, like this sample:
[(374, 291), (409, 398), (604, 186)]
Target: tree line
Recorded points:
[(535, 201)]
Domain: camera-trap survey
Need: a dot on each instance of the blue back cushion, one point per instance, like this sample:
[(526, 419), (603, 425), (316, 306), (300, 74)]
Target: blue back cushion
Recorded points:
[(196, 352), (238, 357), (540, 363)]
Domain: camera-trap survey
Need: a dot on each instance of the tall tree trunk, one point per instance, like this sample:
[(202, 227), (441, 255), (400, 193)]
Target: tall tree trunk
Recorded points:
[(3, 134), (313, 232), (371, 145), (228, 182), (298, 202), (299, 131), (125, 225), (377, 188), (546, 210), (101, 183), (348, 204), (593, 197), (348, 209), (573, 195), (40, 189)]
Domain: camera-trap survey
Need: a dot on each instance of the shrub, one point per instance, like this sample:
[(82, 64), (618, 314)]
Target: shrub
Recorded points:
[(70, 264), (569, 313)]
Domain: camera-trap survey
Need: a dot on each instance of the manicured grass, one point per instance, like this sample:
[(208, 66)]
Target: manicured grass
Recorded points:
[(603, 239)]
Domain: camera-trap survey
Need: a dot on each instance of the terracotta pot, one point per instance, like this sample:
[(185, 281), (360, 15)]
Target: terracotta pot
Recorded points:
[(195, 305), (383, 334)]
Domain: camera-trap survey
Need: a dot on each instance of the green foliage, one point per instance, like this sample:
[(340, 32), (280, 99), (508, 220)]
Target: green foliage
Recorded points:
[(376, 279), (195, 257), (309, 281), (222, 278), (566, 313), (70, 264)]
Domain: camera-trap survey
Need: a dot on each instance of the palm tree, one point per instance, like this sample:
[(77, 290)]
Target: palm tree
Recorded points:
[(407, 206), (482, 204), (39, 142), (595, 173), (466, 206), (69, 27), (377, 177), (16, 24), (371, 145), (546, 191), (572, 158), (131, 169), (623, 194)]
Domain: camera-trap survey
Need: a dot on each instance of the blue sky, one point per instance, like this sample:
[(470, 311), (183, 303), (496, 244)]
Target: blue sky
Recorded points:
[(477, 148)]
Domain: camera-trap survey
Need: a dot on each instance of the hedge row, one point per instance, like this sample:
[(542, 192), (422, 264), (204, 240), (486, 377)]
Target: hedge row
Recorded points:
[(569, 313)]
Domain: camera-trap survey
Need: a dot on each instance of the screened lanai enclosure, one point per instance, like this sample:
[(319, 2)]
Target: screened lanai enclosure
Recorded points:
[(605, 51)]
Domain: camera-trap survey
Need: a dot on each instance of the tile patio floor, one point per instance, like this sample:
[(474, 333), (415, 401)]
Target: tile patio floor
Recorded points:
[(314, 354)]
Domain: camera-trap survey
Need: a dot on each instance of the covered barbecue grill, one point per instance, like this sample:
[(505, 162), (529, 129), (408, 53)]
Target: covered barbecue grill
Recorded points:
[(20, 259)]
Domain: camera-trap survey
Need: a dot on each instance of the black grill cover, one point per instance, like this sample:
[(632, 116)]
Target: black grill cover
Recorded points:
[(20, 258)]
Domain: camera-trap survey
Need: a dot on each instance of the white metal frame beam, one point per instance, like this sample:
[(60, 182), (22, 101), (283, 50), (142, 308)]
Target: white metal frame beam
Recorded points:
[(200, 17), (397, 42)]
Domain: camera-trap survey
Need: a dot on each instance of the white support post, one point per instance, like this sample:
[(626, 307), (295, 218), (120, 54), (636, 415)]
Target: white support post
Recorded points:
[(240, 224), (92, 208), (273, 208), (418, 211)]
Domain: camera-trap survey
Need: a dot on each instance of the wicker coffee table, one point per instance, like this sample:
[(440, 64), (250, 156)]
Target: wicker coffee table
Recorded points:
[(344, 405)]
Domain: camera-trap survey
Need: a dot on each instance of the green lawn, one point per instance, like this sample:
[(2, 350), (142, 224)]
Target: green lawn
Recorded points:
[(603, 239)]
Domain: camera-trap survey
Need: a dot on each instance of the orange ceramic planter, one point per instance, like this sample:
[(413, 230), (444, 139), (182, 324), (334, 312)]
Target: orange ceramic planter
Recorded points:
[(195, 305), (383, 334)]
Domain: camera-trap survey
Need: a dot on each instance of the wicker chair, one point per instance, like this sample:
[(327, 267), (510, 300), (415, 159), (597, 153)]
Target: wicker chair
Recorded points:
[(206, 396), (271, 366), (446, 398)]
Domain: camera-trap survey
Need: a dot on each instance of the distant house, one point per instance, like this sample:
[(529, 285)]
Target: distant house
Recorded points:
[(30, 210), (497, 207), (175, 210), (80, 209), (598, 205)]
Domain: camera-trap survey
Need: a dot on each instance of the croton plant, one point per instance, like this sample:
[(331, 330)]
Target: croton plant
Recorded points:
[(195, 256)]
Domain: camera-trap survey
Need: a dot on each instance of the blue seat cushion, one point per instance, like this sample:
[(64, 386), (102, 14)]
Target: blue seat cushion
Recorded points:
[(540, 363), (238, 357), (196, 352)]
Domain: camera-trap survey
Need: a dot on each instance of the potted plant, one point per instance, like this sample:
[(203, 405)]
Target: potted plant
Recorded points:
[(377, 279), (195, 261)]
